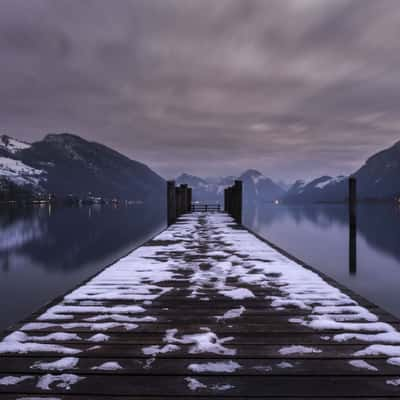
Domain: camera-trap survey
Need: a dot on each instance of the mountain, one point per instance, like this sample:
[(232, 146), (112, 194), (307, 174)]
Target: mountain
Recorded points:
[(205, 190), (321, 189), (256, 187), (66, 164), (377, 179), (284, 185), (379, 176)]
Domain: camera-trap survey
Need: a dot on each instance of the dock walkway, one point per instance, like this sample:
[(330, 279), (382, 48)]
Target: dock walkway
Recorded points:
[(205, 309)]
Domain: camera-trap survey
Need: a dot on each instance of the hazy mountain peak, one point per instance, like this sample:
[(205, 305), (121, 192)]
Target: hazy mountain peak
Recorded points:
[(190, 180), (251, 173)]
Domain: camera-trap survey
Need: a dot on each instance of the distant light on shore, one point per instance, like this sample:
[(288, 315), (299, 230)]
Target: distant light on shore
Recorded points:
[(276, 201)]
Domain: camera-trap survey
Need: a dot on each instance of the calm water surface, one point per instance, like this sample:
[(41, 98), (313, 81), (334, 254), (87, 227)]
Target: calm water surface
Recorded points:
[(45, 252), (319, 235)]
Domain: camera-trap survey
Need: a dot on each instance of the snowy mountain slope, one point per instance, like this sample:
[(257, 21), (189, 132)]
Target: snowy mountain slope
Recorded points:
[(20, 173), (319, 189), (65, 164), (12, 145)]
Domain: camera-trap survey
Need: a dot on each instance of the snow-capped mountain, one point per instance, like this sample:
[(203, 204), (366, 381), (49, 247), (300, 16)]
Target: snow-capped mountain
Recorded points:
[(313, 191), (207, 189), (255, 187), (65, 164), (258, 187), (377, 179)]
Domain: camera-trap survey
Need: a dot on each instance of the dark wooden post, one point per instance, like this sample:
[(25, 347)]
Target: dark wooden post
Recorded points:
[(233, 201), (238, 201), (226, 199), (189, 199), (171, 202), (229, 201), (178, 201), (184, 204), (352, 225)]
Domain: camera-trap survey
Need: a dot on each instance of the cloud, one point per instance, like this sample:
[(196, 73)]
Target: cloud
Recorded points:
[(296, 88)]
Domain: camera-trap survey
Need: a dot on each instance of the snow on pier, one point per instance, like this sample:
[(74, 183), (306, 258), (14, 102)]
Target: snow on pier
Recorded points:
[(205, 309)]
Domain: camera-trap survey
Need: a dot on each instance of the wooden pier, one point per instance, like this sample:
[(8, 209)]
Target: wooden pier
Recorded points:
[(204, 310)]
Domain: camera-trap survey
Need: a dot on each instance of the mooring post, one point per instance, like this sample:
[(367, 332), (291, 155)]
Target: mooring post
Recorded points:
[(229, 201), (179, 199), (352, 225), (189, 191), (225, 199), (239, 201), (185, 197), (171, 203), (233, 201)]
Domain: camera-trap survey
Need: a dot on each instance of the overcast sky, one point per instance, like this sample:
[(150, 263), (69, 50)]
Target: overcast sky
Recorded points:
[(294, 88)]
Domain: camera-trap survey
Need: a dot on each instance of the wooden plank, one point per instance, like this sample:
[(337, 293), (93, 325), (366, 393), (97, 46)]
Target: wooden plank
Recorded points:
[(248, 386), (336, 351), (167, 366), (223, 329), (269, 338)]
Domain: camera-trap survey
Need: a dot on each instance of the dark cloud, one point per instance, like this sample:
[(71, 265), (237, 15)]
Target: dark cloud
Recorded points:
[(295, 88)]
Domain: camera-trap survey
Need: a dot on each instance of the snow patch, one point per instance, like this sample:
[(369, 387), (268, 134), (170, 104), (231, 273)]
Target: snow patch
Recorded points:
[(207, 342), (221, 366), (298, 350), (99, 337), (157, 349), (362, 365), (194, 384), (108, 366), (238, 294), (64, 381), (14, 380), (394, 382), (59, 365), (233, 313), (284, 365)]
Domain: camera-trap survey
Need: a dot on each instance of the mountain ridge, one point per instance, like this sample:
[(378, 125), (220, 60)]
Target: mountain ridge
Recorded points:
[(68, 164), (256, 187)]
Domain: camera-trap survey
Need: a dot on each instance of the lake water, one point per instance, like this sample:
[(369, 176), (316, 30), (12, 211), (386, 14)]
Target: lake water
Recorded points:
[(319, 235), (45, 252)]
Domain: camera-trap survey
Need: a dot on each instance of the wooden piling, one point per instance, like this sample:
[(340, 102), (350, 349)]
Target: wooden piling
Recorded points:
[(239, 201), (179, 201), (171, 202), (189, 199), (352, 225), (233, 201), (225, 199)]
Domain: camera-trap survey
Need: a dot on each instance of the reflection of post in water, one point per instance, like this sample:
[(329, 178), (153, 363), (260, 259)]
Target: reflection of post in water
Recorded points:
[(352, 226)]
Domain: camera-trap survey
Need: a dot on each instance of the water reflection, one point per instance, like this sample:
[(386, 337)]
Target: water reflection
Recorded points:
[(46, 251), (365, 257)]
